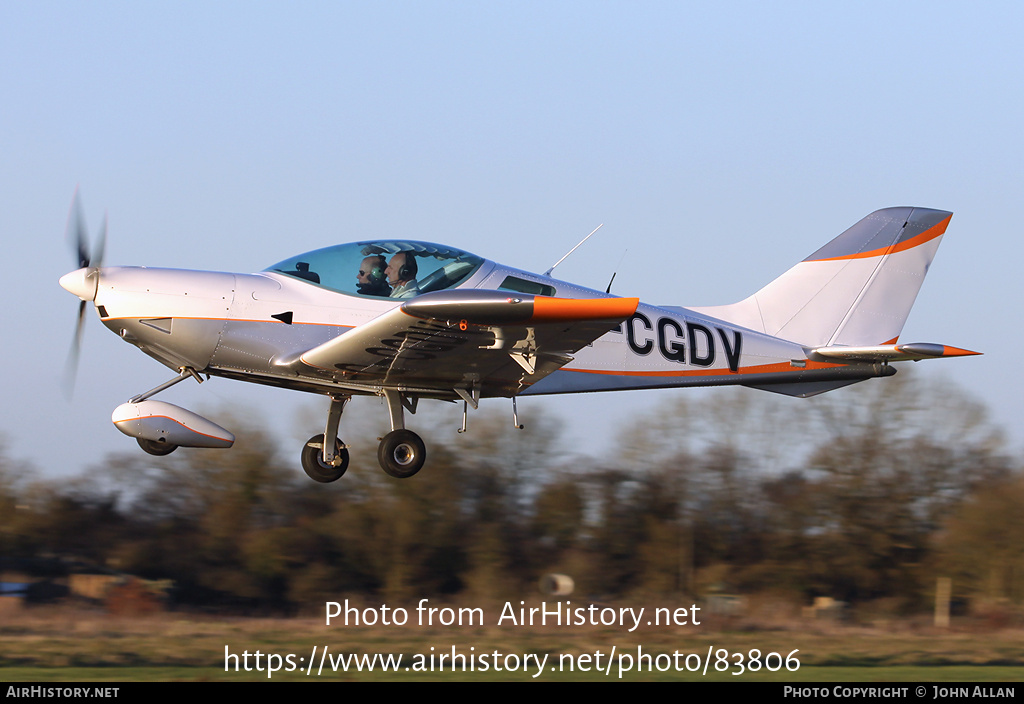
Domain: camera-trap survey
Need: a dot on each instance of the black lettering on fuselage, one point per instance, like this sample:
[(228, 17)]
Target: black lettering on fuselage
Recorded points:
[(648, 345), (707, 358), (732, 351), (671, 349), (676, 338)]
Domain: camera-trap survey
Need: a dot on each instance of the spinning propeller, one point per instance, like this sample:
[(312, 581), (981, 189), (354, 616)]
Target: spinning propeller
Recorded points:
[(82, 282)]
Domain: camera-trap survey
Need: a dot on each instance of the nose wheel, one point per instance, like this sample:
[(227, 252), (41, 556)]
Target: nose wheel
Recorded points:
[(401, 453)]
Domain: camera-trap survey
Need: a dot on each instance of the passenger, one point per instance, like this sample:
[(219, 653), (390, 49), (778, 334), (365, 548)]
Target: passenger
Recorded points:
[(371, 280), (401, 273)]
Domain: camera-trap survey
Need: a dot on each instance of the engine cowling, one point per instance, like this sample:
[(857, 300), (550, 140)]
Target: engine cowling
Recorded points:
[(165, 423)]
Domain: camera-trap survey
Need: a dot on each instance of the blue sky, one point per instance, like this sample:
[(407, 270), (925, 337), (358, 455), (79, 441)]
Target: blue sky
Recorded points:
[(718, 143)]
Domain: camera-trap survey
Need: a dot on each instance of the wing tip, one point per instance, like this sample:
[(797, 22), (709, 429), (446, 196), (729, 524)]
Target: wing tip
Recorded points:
[(547, 309)]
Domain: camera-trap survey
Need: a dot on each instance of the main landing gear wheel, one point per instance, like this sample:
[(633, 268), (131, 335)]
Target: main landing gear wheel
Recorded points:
[(401, 453), (313, 460), (155, 447)]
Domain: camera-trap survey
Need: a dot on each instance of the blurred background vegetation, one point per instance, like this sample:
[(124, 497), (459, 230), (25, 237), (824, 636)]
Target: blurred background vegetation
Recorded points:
[(863, 495)]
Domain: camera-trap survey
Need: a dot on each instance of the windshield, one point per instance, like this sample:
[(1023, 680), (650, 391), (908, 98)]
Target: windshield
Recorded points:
[(382, 269)]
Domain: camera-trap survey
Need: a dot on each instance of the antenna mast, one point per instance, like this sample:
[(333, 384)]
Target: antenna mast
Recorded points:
[(548, 272)]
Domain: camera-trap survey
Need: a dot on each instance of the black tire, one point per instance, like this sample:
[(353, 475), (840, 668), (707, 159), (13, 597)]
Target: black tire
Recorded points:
[(156, 447), (401, 453), (313, 460)]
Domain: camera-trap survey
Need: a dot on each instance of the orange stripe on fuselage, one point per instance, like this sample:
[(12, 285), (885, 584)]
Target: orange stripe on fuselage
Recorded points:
[(759, 369), (231, 320), (929, 234)]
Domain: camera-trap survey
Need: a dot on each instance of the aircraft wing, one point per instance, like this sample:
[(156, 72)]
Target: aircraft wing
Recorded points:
[(465, 343)]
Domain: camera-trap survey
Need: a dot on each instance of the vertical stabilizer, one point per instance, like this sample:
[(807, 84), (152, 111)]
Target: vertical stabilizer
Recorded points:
[(856, 290)]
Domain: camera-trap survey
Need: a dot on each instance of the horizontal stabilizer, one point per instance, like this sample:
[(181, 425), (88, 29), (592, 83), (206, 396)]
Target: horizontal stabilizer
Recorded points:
[(890, 353)]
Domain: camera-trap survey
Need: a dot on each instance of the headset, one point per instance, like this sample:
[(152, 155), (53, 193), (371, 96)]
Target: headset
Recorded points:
[(376, 283), (376, 274), (408, 270)]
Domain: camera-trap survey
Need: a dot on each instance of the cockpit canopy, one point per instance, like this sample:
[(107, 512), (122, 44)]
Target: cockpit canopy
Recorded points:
[(359, 268)]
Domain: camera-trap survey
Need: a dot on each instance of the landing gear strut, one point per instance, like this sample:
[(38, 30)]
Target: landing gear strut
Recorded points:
[(401, 452), (325, 457)]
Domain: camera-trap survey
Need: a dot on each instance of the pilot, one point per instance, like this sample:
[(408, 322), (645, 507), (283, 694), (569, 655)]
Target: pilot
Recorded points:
[(401, 273), (371, 280)]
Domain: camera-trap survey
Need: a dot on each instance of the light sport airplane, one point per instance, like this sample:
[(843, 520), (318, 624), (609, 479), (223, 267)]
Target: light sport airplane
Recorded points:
[(408, 320)]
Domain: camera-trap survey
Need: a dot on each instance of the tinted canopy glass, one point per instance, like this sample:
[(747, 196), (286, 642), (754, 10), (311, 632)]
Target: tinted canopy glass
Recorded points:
[(365, 268)]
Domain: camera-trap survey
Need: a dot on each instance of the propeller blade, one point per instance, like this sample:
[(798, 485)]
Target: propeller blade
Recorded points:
[(77, 233), (71, 365), (101, 244)]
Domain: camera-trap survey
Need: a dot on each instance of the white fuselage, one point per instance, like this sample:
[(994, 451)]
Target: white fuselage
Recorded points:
[(224, 324)]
